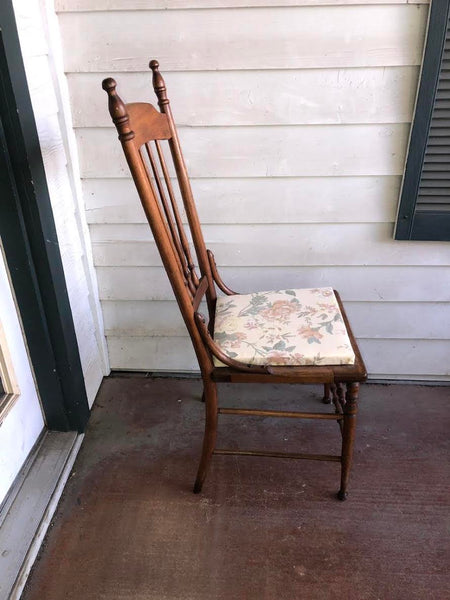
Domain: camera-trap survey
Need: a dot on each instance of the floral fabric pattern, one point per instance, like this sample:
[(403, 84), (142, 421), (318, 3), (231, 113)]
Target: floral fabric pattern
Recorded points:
[(284, 327)]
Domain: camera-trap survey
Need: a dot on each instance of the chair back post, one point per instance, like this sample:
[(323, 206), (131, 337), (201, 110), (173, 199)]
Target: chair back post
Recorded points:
[(120, 117), (160, 89)]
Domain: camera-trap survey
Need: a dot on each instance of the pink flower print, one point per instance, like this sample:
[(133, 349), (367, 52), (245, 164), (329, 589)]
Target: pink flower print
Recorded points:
[(327, 306), (277, 358), (251, 325), (311, 309), (297, 359), (312, 335), (280, 310), (238, 337)]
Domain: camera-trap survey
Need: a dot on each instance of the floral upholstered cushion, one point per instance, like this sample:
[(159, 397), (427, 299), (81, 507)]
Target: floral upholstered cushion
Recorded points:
[(285, 327)]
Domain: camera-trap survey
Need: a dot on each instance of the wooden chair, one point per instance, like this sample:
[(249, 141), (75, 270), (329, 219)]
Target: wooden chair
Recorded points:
[(306, 337)]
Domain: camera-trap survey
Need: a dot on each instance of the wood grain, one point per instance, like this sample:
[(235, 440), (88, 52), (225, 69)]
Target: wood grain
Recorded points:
[(105, 5), (245, 38), (284, 97), (303, 150), (297, 245), (372, 320), (239, 201), (358, 283)]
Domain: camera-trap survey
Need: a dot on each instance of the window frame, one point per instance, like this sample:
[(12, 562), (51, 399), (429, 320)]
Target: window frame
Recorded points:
[(9, 388)]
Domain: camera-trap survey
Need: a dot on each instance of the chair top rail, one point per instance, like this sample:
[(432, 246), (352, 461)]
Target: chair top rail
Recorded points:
[(147, 123)]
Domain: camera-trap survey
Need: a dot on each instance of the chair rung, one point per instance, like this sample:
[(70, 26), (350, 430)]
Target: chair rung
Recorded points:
[(279, 413), (330, 457)]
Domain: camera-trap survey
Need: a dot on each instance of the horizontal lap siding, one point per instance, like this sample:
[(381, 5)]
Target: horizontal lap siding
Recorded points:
[(296, 245), (360, 283), (301, 150), (388, 319), (294, 118), (175, 354), (240, 200), (103, 5), (291, 97), (245, 38)]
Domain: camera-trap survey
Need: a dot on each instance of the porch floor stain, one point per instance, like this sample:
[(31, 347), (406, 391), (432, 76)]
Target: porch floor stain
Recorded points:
[(129, 527)]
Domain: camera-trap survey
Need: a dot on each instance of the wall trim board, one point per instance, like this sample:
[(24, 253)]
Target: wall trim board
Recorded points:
[(31, 246)]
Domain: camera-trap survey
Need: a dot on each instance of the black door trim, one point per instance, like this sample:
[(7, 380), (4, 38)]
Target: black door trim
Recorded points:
[(30, 243)]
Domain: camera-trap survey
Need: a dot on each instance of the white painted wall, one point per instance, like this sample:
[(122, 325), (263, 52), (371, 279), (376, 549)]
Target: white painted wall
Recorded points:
[(24, 422), (294, 118), (40, 49)]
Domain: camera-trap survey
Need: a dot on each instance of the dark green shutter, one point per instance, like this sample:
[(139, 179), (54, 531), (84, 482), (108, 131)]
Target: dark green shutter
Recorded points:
[(424, 212)]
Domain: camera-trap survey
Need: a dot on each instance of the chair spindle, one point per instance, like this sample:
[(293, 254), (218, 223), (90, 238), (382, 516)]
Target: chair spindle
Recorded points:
[(170, 220), (176, 212)]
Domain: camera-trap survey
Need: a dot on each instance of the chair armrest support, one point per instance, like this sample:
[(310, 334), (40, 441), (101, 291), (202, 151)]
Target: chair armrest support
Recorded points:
[(217, 278)]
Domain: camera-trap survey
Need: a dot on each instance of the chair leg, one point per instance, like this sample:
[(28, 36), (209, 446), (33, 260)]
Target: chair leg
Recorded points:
[(348, 436), (209, 440), (326, 393)]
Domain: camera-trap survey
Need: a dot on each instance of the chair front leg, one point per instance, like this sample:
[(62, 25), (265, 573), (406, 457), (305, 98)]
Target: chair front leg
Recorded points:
[(348, 435), (209, 439)]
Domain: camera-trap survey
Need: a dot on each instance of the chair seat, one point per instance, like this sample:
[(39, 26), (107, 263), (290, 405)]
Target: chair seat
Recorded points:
[(283, 327)]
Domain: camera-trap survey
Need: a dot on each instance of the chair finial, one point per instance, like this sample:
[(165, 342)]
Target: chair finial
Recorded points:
[(117, 110), (158, 84)]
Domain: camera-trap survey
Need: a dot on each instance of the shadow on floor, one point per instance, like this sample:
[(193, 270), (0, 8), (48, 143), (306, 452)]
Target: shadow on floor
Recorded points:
[(129, 527)]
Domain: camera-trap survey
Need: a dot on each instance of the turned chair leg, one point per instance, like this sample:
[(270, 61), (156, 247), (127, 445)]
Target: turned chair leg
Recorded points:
[(209, 439), (348, 436), (326, 393)]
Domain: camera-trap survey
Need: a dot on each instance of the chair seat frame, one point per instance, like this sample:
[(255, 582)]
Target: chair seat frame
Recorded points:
[(139, 125)]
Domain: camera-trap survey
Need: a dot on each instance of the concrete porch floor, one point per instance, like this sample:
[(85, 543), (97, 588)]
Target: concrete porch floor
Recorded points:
[(129, 527)]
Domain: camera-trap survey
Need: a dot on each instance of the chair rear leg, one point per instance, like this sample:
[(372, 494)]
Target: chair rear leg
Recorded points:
[(209, 440), (326, 393), (348, 436)]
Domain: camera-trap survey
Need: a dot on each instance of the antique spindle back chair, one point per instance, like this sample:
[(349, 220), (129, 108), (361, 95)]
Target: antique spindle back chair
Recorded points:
[(300, 318)]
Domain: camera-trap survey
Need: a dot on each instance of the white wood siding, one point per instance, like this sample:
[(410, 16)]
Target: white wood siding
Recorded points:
[(104, 5), (42, 76), (245, 38), (294, 151), (291, 97), (294, 118)]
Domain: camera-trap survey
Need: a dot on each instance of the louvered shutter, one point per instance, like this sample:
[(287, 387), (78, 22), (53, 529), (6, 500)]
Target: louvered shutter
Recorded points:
[(424, 211)]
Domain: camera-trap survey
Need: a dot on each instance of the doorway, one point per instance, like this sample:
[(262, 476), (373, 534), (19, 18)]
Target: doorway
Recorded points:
[(35, 305), (21, 417)]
